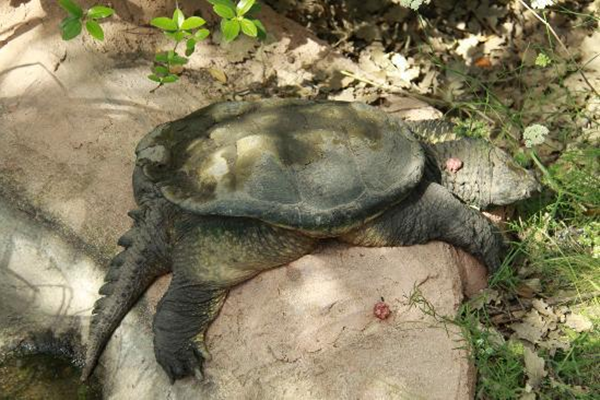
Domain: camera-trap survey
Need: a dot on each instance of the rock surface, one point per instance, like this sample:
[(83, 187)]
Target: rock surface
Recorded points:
[(71, 114)]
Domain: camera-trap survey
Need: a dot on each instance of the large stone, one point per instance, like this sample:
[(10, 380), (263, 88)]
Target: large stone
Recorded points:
[(70, 116), (303, 331)]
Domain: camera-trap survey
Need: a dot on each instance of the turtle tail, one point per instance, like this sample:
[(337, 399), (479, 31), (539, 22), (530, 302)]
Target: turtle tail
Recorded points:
[(433, 130), (129, 275)]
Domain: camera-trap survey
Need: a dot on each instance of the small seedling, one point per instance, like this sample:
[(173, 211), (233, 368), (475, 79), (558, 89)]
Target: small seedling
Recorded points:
[(168, 64), (238, 18), (71, 26), (179, 28)]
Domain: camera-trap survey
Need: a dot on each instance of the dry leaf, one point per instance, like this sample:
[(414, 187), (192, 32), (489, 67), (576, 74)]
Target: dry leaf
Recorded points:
[(534, 367), (484, 297), (532, 328), (555, 340), (579, 323), (527, 396), (466, 47), (483, 62), (218, 74), (543, 308)]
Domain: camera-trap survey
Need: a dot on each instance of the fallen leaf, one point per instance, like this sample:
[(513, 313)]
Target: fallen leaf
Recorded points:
[(532, 328), (579, 323), (483, 62), (466, 47), (218, 74), (486, 296), (543, 308), (524, 290), (527, 396), (534, 367)]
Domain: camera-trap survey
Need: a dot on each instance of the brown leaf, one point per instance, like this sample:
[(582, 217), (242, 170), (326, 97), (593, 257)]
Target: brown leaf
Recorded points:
[(524, 290), (579, 323), (483, 62), (218, 74), (534, 367), (532, 328)]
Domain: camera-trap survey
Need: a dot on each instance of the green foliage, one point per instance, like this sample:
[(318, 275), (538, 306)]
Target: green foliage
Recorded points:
[(471, 128), (238, 18), (542, 60), (178, 28), (71, 26), (167, 65)]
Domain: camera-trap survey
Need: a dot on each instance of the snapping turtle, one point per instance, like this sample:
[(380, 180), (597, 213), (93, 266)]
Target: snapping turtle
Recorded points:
[(237, 188)]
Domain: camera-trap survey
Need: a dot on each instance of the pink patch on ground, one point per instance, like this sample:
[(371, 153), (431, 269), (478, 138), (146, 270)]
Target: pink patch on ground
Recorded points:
[(453, 164), (381, 310)]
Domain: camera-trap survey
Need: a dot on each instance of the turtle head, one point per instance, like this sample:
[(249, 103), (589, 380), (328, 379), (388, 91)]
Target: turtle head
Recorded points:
[(479, 173), (152, 154), (509, 181)]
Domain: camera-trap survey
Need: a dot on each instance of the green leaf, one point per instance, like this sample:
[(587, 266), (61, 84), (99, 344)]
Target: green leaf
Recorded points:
[(230, 29), (177, 36), (71, 8), (248, 27), (161, 57), (226, 3), (178, 60), (71, 27), (160, 70), (243, 6), (254, 9), (190, 46), (67, 20), (201, 34), (262, 32), (224, 11), (164, 23), (155, 78), (178, 17), (192, 23), (98, 12), (170, 79), (94, 29), (170, 55)]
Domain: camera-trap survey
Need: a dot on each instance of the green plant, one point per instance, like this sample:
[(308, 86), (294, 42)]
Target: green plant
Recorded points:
[(71, 26), (180, 28), (168, 64), (236, 18)]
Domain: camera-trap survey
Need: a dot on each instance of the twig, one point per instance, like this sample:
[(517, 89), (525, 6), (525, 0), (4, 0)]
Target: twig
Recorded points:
[(549, 27)]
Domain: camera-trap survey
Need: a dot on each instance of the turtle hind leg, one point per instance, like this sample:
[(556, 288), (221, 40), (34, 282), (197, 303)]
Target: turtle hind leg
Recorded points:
[(129, 275), (431, 212), (211, 255)]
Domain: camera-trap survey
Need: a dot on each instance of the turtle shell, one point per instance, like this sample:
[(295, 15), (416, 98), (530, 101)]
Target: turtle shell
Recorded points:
[(318, 167)]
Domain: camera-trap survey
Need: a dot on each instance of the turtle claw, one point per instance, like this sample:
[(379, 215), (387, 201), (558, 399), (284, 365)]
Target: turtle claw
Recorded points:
[(180, 364)]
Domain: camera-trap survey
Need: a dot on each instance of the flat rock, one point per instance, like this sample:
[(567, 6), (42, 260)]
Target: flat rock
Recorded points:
[(71, 114)]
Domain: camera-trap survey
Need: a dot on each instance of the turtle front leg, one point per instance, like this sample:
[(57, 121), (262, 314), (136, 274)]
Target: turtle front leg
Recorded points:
[(211, 255), (431, 212)]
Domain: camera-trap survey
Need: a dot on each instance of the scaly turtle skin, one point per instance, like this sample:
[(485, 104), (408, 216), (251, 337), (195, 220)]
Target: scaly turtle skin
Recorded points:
[(237, 188)]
